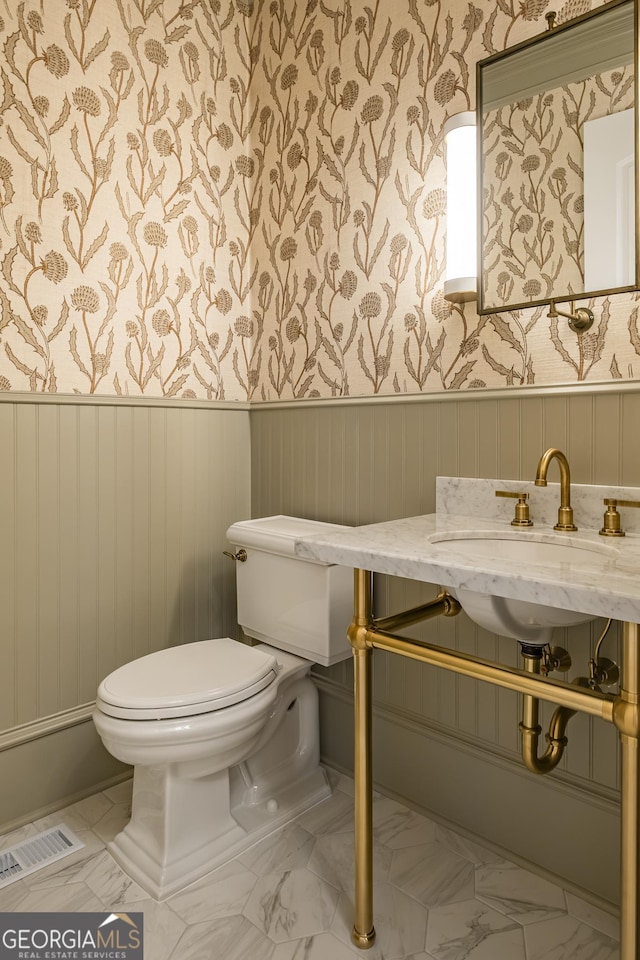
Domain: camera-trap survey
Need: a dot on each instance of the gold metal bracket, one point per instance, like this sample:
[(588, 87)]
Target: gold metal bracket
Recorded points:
[(444, 605), (522, 518), (611, 522), (626, 716), (580, 320), (555, 658), (551, 19), (357, 634), (604, 672), (363, 940)]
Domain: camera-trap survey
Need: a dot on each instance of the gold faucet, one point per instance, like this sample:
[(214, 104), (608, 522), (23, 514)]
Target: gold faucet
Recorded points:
[(565, 511)]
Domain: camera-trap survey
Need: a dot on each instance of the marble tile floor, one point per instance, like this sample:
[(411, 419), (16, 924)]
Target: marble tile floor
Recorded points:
[(437, 896)]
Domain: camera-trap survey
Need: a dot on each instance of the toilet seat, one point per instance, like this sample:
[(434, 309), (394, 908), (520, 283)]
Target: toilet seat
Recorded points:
[(187, 680)]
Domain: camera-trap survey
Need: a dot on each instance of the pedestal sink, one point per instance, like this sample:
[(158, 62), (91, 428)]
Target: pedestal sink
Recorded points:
[(524, 620)]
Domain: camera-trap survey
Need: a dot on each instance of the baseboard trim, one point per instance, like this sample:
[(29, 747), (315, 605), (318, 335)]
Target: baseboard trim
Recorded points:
[(547, 822), (565, 783), (49, 808), (496, 848), (52, 766)]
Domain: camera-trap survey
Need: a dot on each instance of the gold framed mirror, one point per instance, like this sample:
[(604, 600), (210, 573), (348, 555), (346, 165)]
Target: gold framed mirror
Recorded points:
[(558, 163)]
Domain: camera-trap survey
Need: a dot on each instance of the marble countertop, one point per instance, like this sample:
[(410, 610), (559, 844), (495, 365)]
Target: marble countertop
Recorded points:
[(604, 579)]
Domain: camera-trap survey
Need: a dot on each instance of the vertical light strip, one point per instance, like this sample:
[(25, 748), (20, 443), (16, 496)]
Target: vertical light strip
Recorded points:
[(460, 283)]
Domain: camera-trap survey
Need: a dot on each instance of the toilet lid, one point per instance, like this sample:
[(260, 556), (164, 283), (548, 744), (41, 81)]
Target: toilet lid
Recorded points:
[(186, 680)]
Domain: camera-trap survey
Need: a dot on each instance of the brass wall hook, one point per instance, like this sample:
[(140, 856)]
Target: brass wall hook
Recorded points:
[(551, 19), (580, 320)]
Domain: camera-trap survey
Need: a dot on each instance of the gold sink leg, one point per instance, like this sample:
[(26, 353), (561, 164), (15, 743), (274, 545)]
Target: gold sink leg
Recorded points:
[(363, 933), (626, 718)]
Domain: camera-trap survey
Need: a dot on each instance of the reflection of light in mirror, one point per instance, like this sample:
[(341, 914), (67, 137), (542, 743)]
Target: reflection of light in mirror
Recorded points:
[(461, 247), (609, 201)]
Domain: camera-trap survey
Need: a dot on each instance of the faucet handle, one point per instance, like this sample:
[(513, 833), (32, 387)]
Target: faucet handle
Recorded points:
[(611, 522), (522, 518)]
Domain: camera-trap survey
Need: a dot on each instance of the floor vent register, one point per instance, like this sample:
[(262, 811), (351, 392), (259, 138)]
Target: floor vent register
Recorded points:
[(37, 852)]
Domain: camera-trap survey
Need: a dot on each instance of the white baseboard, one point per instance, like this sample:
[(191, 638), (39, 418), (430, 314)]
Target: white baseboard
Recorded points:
[(45, 773)]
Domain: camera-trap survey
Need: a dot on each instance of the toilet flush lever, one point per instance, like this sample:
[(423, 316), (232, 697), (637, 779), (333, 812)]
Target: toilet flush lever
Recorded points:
[(240, 556)]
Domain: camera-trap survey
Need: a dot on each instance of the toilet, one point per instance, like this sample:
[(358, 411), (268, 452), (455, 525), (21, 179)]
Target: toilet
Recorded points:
[(223, 736)]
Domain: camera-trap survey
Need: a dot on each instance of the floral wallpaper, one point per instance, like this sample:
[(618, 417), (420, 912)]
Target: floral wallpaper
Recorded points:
[(533, 204), (244, 200)]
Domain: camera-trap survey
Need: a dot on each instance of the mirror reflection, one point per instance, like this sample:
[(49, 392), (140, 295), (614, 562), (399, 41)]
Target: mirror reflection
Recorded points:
[(557, 135)]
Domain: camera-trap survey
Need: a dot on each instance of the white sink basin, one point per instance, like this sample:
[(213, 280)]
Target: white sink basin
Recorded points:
[(523, 620)]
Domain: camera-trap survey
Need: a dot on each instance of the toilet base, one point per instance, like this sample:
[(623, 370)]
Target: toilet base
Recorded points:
[(190, 816), (164, 857)]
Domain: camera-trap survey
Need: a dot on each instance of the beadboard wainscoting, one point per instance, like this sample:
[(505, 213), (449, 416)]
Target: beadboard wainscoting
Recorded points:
[(113, 519), (113, 516), (359, 463)]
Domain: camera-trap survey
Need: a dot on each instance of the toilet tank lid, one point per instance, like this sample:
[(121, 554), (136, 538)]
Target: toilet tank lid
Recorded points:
[(278, 534)]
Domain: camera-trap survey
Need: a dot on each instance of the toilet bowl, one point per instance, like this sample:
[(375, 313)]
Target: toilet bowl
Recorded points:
[(223, 737)]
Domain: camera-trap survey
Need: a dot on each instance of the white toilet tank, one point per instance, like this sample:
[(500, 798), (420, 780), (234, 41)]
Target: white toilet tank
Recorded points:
[(293, 604)]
